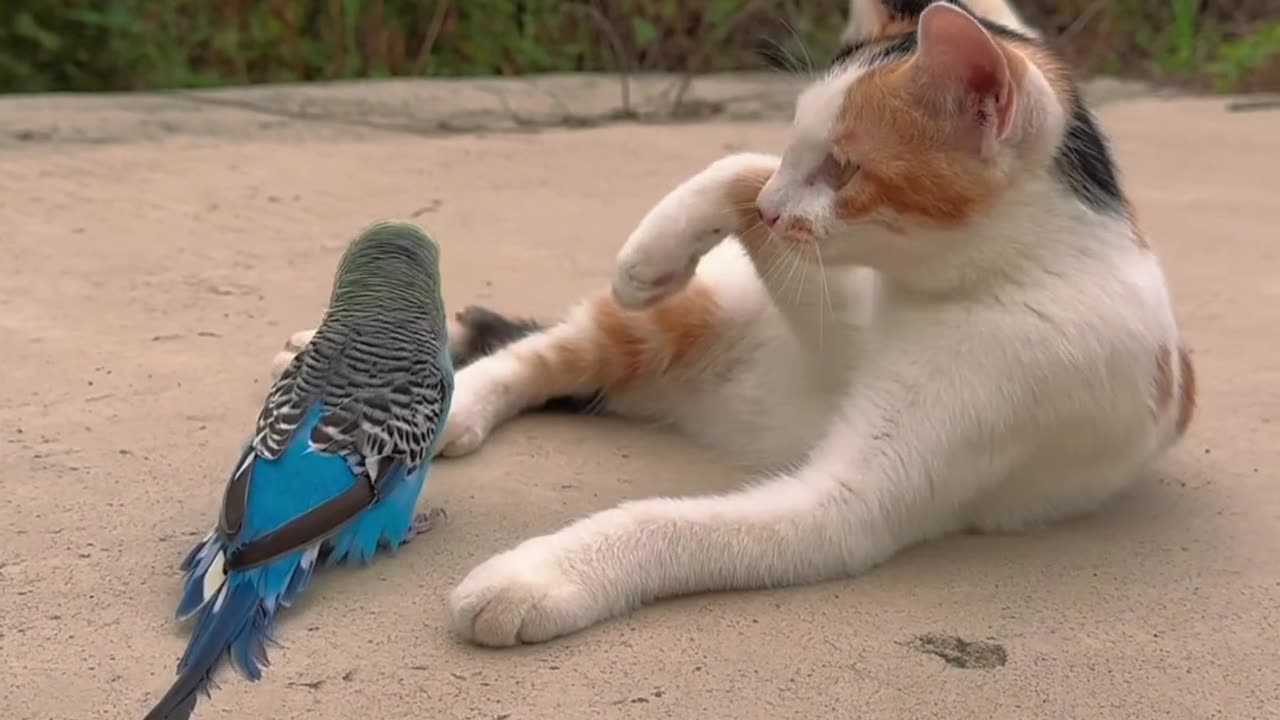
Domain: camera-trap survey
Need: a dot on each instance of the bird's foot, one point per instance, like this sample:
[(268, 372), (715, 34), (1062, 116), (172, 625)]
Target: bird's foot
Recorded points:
[(424, 522)]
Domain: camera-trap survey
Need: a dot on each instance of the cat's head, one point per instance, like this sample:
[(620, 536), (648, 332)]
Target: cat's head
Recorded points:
[(924, 121)]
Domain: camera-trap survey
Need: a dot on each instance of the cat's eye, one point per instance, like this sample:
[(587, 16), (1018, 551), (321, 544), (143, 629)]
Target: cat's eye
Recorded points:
[(833, 172)]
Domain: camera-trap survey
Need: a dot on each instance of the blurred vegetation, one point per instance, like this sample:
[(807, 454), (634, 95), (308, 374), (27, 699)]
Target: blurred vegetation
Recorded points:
[(92, 45)]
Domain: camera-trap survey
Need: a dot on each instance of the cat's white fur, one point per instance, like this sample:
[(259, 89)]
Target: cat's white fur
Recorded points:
[(999, 385)]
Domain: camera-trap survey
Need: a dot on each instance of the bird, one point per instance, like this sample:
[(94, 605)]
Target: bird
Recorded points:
[(335, 464)]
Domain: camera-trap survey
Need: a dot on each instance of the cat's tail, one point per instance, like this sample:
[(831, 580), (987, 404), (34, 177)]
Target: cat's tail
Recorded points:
[(479, 331)]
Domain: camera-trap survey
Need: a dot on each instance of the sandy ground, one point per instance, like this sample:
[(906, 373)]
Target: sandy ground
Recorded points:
[(147, 284)]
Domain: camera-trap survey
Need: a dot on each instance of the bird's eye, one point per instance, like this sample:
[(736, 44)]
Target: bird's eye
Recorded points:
[(833, 172)]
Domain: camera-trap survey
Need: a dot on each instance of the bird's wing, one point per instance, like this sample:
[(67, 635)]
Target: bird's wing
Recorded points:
[(379, 429), (308, 503)]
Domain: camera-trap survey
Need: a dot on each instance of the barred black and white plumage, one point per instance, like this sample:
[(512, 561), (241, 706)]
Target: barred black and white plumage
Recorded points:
[(374, 363)]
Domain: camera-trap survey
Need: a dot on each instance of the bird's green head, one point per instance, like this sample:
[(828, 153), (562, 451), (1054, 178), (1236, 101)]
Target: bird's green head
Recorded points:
[(390, 253)]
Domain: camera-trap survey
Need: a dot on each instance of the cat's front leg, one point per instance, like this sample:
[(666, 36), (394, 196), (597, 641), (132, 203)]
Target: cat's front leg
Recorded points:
[(799, 529), (869, 489), (661, 254)]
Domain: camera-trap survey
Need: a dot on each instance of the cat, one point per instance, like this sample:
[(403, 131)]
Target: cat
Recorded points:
[(982, 339)]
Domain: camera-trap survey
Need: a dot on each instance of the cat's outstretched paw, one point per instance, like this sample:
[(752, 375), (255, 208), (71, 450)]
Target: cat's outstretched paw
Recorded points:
[(662, 253), (524, 595), (292, 347)]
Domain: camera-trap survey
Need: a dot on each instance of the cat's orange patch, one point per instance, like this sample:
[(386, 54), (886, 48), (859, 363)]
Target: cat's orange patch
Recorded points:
[(636, 346), (907, 164), (1186, 391), (623, 343), (687, 322), (910, 167), (564, 366)]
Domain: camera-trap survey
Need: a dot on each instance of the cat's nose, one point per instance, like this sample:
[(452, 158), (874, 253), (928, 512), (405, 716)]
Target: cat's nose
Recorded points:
[(770, 218)]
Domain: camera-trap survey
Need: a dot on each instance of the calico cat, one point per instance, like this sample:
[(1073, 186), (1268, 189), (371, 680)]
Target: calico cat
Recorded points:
[(983, 338)]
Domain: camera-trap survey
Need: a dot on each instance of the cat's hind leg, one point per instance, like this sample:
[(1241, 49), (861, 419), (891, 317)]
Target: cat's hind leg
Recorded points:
[(597, 355)]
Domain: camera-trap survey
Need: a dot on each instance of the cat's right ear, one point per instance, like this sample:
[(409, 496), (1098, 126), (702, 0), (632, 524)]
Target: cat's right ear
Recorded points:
[(963, 78)]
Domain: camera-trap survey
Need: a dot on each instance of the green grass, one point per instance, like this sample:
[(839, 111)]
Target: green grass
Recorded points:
[(143, 44)]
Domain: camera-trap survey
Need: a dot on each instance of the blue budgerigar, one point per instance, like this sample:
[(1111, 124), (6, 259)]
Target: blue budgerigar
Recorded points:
[(334, 468)]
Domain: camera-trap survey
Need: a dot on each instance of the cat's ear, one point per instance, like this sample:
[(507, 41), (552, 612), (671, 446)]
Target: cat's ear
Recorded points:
[(963, 75)]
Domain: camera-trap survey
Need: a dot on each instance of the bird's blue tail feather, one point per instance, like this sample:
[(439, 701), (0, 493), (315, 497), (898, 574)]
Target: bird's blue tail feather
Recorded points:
[(235, 620), (236, 611), (234, 623)]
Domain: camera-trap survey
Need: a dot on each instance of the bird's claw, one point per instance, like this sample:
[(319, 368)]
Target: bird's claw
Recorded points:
[(424, 522)]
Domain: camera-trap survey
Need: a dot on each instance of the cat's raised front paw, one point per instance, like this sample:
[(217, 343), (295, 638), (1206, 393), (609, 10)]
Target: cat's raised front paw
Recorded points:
[(524, 595), (292, 347), (660, 256)]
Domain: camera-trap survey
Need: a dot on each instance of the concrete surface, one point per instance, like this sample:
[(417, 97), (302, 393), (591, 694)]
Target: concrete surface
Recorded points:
[(419, 106), (147, 284)]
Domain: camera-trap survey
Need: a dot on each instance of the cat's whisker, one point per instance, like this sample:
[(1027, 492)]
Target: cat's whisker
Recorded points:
[(810, 67), (781, 256), (791, 64), (826, 293), (775, 267), (804, 272), (795, 257)]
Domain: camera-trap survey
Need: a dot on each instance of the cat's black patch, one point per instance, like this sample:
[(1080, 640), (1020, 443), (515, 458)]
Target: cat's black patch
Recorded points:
[(485, 332), (1085, 165), (914, 8), (895, 49)]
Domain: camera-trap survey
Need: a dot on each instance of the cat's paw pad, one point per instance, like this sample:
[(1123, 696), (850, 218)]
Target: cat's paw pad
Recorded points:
[(292, 347), (521, 596)]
